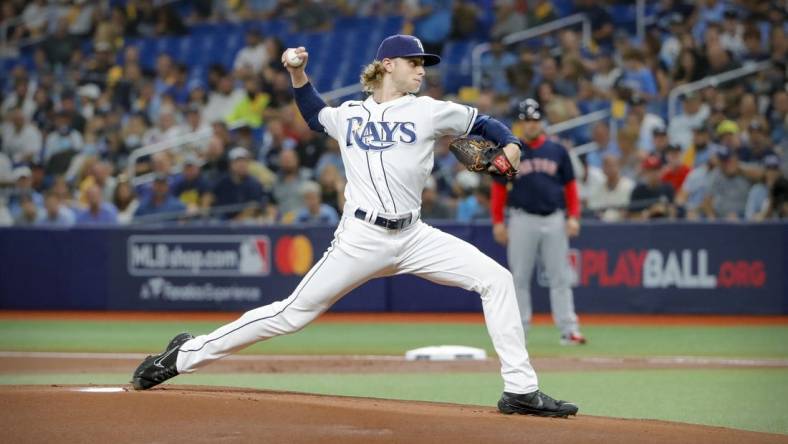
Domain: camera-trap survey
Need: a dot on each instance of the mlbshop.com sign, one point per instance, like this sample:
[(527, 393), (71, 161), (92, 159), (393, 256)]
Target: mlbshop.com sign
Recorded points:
[(203, 255)]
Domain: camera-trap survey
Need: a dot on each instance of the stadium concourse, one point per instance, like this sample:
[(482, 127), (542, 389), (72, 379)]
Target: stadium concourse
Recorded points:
[(86, 85)]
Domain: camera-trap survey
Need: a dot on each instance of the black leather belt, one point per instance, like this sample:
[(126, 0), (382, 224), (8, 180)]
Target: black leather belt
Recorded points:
[(391, 224)]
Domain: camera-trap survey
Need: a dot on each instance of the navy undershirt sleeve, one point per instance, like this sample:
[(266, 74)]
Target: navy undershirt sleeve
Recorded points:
[(310, 104), (491, 129)]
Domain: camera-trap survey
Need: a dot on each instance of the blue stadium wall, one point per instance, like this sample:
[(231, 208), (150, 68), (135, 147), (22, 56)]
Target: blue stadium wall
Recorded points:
[(715, 268)]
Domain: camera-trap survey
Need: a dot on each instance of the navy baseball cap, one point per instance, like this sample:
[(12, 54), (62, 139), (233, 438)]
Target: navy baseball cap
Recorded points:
[(399, 45)]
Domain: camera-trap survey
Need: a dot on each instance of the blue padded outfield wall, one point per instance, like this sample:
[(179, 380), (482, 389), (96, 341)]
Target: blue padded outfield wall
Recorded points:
[(629, 268)]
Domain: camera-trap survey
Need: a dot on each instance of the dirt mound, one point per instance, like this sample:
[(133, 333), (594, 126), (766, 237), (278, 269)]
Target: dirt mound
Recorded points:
[(203, 414)]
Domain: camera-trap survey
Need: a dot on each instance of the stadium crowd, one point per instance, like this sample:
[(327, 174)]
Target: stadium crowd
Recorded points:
[(72, 119)]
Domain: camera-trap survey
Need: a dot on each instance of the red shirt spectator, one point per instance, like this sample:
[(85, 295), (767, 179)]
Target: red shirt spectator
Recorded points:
[(675, 171)]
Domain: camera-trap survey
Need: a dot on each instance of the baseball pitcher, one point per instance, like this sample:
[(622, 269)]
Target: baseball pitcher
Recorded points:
[(387, 149)]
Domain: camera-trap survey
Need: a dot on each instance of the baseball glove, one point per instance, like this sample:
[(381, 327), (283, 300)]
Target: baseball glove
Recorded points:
[(480, 155)]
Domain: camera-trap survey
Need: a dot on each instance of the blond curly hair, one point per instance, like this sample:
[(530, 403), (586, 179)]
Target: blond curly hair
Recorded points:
[(372, 76)]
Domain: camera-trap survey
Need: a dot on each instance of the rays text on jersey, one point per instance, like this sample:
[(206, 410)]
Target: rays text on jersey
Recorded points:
[(378, 136)]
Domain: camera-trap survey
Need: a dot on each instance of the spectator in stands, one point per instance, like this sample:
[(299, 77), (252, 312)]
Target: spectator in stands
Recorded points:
[(758, 198), (729, 134), (494, 66), (732, 33), (508, 19), (125, 200), (99, 173), (179, 90), (588, 176), (646, 122), (68, 106), (24, 186), (161, 164), (44, 113), (167, 21), (728, 188), (291, 178), (59, 45), (778, 200), (332, 186), (6, 171), (275, 140), (432, 206), (251, 59), (606, 73), (759, 143), (309, 16), (216, 165), (191, 187), (675, 171), (313, 210), (193, 121), (719, 60), (690, 67), (167, 129), (251, 108), (21, 97), (777, 116), (659, 136), (160, 201), (468, 206), (61, 145), (637, 76), (330, 156), (22, 141), (651, 198), (97, 212), (601, 22), (610, 199), (629, 155), (55, 214), (695, 188), (28, 210), (557, 107), (430, 20), (695, 113), (238, 195), (701, 148), (753, 48)]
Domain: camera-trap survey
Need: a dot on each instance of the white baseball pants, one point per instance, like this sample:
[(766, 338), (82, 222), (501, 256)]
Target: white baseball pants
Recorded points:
[(361, 251)]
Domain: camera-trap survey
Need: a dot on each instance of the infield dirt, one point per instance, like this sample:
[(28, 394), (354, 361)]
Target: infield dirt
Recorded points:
[(203, 414)]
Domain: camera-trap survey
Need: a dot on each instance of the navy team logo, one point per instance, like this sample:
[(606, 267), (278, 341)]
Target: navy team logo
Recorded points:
[(378, 136)]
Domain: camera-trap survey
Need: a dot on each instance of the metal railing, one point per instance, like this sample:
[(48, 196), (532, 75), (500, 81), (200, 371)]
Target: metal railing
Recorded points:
[(714, 80), (480, 49), (575, 122)]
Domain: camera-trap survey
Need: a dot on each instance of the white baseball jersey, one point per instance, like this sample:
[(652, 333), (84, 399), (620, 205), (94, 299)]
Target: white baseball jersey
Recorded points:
[(387, 151), (388, 148)]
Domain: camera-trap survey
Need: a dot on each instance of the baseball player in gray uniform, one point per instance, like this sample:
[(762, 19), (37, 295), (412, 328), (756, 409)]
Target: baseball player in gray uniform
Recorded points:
[(544, 207), (387, 148)]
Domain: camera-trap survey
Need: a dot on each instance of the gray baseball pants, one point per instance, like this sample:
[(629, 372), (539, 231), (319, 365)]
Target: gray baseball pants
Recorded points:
[(533, 235)]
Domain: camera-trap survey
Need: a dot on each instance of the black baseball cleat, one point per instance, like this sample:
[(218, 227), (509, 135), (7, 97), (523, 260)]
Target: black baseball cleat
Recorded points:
[(158, 368), (536, 403)]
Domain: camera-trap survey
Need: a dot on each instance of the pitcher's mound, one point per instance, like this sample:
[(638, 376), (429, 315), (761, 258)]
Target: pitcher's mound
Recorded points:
[(99, 414)]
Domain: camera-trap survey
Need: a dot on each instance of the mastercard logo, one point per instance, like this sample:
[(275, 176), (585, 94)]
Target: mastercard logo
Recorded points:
[(293, 255)]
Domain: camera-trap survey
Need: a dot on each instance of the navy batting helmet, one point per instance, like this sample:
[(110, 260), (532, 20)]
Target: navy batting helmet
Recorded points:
[(529, 109)]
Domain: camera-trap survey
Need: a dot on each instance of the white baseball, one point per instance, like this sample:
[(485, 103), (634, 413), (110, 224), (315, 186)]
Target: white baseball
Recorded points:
[(292, 58)]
